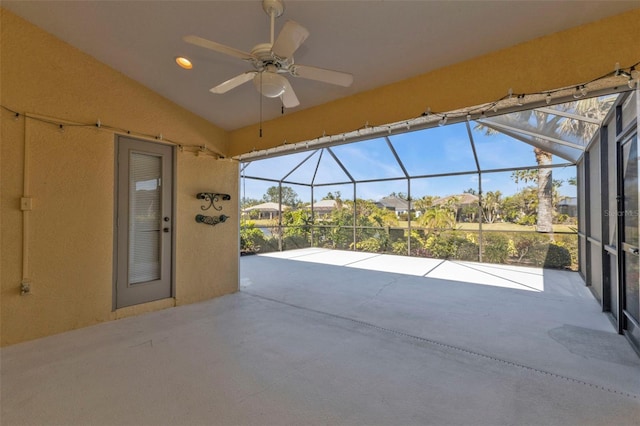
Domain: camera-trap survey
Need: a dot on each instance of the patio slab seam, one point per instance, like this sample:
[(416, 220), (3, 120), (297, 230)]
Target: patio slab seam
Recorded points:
[(434, 268), (310, 253), (362, 260), (495, 275)]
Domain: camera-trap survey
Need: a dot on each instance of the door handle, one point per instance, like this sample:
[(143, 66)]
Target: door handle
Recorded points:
[(635, 251)]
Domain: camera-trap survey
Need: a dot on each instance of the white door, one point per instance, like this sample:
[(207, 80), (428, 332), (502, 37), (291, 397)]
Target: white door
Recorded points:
[(143, 222)]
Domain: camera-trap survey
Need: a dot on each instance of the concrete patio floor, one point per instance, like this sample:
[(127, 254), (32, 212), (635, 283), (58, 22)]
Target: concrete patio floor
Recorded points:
[(346, 338)]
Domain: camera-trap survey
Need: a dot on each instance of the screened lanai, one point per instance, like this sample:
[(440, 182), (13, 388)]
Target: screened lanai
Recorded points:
[(472, 188)]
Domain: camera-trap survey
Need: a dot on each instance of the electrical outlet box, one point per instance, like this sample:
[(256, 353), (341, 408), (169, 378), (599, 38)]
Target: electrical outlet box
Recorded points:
[(25, 203)]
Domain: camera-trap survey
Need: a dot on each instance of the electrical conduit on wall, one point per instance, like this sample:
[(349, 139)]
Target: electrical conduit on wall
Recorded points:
[(25, 206)]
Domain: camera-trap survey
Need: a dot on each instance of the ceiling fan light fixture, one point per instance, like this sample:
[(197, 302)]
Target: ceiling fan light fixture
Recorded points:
[(184, 63), (269, 84)]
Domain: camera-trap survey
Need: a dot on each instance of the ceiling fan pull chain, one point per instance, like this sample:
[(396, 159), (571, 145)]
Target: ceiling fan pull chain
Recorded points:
[(261, 105)]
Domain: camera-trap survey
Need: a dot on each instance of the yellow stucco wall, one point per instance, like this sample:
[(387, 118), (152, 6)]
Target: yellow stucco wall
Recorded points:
[(70, 177), (550, 62)]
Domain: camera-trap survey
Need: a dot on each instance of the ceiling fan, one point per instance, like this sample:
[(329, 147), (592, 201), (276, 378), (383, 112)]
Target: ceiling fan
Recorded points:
[(271, 60)]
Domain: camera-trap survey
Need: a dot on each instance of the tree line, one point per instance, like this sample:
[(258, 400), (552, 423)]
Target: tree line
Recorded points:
[(430, 211)]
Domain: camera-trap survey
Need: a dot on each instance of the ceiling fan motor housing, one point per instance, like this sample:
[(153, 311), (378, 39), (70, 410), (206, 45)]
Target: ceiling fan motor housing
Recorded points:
[(273, 6), (263, 52), (267, 59)]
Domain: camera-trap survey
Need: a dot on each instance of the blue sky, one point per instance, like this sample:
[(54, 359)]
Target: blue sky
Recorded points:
[(431, 151)]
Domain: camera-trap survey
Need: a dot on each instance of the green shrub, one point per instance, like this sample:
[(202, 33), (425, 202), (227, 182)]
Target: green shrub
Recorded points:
[(467, 250), (335, 237), (417, 247), (531, 248), (396, 234), (569, 242), (371, 245), (399, 247), (496, 248), (251, 238), (340, 238), (557, 257), (269, 245), (449, 245), (291, 242), (440, 246), (527, 220)]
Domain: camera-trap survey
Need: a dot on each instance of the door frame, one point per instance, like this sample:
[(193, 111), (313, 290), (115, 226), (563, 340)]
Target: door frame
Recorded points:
[(626, 325), (174, 163)]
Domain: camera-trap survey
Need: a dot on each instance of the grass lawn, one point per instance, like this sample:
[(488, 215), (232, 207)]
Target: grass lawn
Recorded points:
[(261, 222)]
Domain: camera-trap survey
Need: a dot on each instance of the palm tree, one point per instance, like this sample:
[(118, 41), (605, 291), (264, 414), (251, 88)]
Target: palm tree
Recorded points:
[(545, 195), (424, 203), (437, 218), (556, 126), (491, 205)]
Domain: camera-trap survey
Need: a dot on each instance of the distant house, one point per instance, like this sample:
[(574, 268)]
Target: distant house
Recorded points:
[(265, 210), (395, 204), (458, 200), (323, 208), (568, 206), (460, 203)]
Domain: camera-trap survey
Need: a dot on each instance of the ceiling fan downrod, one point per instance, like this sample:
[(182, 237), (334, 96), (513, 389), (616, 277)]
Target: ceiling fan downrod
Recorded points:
[(275, 9)]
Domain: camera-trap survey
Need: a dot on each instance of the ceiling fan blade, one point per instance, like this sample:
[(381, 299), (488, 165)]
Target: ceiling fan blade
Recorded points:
[(220, 48), (290, 38), (289, 98), (320, 74), (232, 83)]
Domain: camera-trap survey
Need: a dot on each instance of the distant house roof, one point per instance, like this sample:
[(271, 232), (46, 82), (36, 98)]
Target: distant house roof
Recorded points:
[(458, 200), (266, 207), (325, 205), (395, 203)]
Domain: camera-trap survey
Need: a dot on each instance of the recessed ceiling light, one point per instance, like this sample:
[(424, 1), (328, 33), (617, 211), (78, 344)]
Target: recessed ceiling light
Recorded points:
[(184, 63)]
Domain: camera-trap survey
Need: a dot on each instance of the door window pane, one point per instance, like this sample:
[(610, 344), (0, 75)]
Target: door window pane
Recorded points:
[(632, 276), (145, 215), (630, 170)]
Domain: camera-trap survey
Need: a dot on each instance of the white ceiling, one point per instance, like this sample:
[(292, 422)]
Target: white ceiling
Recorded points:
[(379, 42)]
